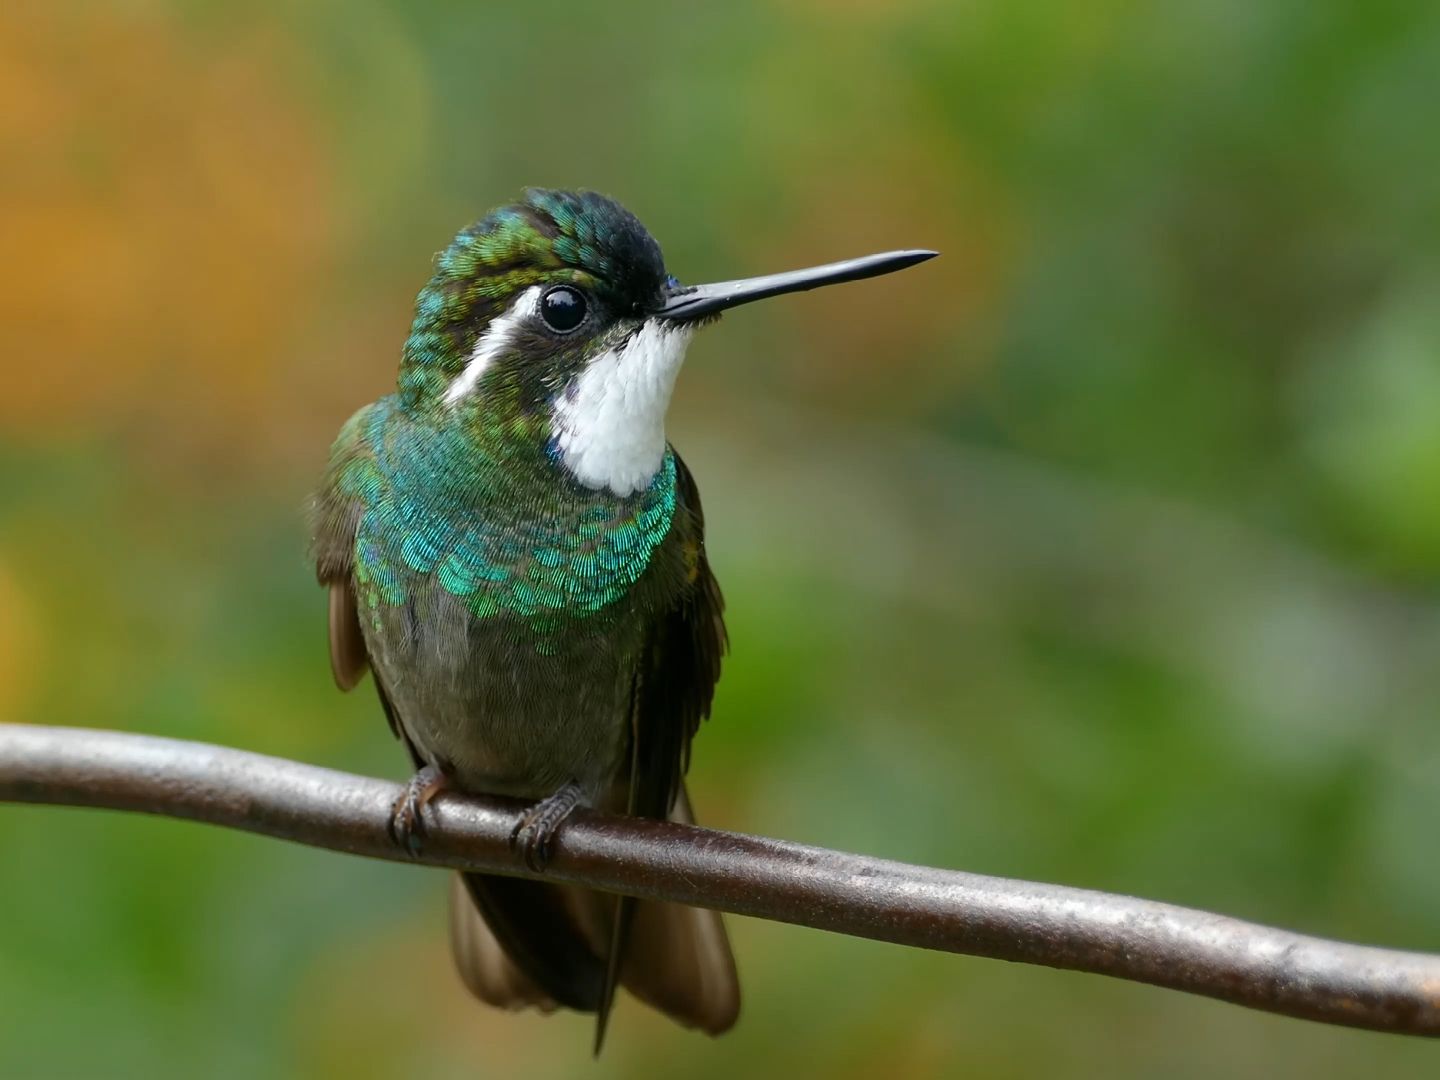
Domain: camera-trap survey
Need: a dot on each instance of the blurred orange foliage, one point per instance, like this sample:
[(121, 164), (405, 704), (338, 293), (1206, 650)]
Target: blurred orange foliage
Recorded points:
[(160, 245)]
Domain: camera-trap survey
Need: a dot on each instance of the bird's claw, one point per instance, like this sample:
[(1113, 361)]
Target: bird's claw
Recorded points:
[(534, 834), (407, 815)]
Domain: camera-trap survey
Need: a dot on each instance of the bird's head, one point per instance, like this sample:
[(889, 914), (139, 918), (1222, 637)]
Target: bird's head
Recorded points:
[(556, 315)]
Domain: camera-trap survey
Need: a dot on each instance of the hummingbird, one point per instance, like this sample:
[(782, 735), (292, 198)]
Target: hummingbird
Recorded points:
[(516, 554)]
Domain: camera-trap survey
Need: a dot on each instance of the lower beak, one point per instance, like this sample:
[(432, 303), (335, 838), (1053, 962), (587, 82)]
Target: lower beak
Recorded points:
[(683, 302)]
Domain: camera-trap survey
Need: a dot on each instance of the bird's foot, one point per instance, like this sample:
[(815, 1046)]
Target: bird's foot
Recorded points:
[(407, 816), (534, 834)]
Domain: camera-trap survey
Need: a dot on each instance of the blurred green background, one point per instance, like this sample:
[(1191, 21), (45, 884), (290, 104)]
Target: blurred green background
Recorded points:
[(1102, 550)]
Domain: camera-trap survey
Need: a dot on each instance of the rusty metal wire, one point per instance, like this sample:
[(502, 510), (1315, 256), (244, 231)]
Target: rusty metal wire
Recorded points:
[(1128, 938)]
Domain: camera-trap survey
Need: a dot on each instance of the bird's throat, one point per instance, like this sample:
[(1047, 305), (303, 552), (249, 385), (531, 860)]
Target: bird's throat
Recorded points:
[(609, 421)]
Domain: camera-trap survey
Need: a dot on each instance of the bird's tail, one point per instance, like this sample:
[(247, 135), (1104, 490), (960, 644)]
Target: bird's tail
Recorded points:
[(523, 944)]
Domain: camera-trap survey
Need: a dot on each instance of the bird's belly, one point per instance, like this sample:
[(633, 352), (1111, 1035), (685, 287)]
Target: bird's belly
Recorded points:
[(504, 712)]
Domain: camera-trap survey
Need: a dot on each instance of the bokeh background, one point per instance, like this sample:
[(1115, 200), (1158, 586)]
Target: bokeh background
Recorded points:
[(1102, 550)]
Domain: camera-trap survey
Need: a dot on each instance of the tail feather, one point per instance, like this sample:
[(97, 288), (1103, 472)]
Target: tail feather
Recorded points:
[(679, 962), (678, 958), (523, 944), (484, 966), (552, 934), (614, 959)]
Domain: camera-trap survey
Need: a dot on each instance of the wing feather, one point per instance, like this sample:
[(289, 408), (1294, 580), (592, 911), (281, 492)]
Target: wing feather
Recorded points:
[(348, 658), (676, 958)]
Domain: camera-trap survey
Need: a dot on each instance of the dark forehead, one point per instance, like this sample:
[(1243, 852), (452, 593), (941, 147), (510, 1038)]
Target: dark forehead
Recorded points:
[(553, 230)]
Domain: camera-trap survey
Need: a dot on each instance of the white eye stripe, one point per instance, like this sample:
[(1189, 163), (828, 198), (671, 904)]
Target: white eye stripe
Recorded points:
[(492, 343)]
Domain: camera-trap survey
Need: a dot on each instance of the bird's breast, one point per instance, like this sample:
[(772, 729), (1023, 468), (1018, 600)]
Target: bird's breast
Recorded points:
[(506, 615), (507, 708)]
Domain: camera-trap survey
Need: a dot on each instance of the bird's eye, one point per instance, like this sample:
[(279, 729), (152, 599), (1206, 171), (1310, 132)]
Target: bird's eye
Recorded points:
[(563, 308)]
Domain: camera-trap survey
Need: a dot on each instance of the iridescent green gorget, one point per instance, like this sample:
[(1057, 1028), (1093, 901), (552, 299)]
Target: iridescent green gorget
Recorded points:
[(568, 551)]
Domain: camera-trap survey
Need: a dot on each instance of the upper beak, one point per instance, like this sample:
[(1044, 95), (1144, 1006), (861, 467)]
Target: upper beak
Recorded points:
[(684, 302)]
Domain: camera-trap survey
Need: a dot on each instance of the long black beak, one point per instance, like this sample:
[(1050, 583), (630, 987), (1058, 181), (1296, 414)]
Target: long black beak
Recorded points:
[(693, 301)]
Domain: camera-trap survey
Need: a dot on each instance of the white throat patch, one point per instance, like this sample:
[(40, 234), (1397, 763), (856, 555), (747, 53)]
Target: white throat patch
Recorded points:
[(610, 421), (491, 344)]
